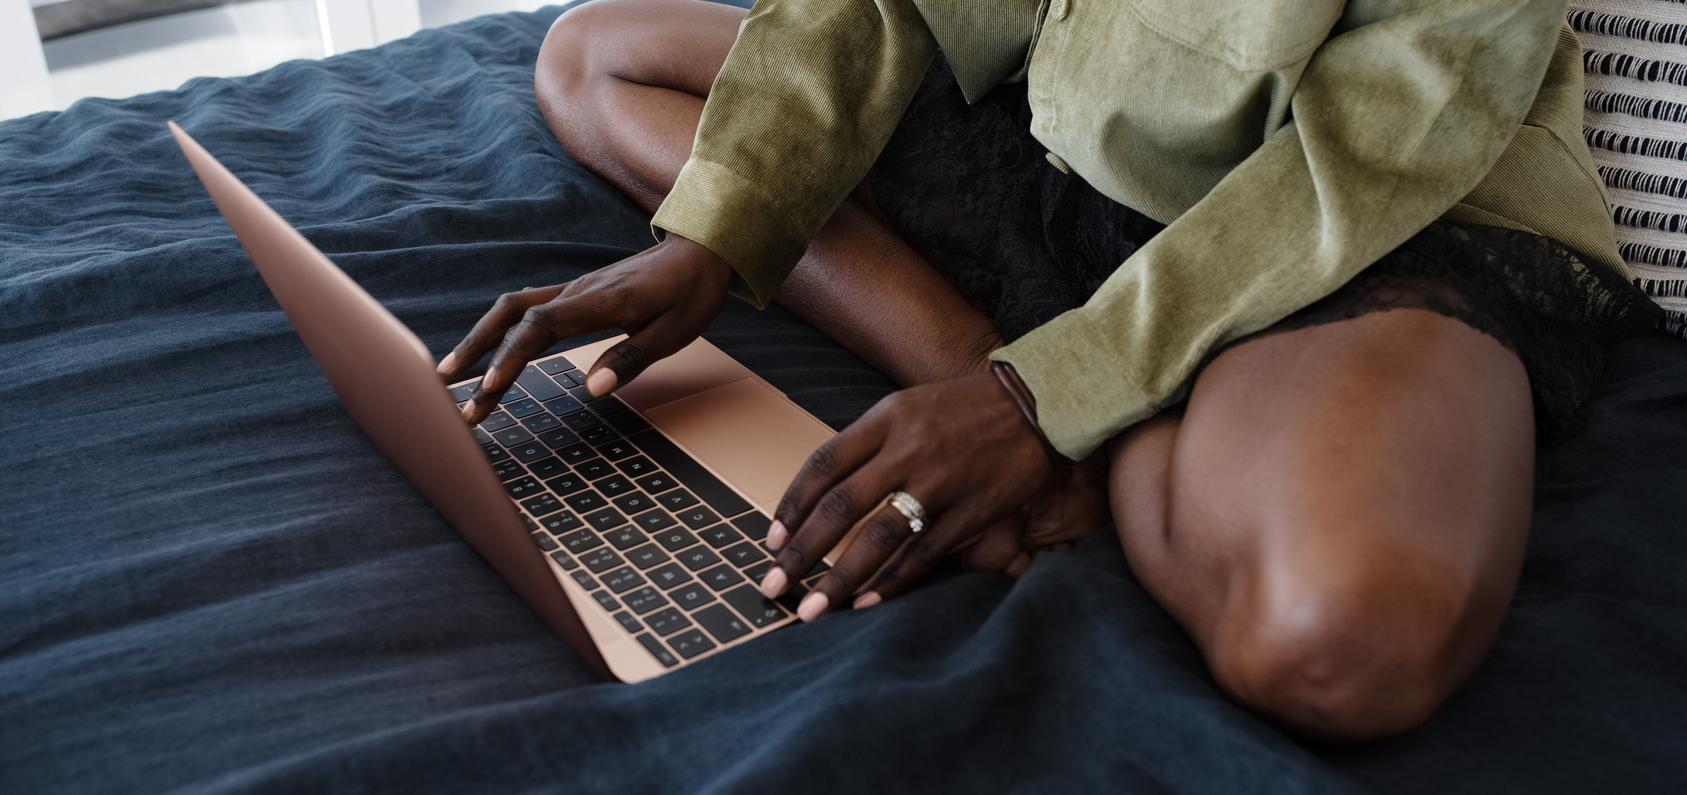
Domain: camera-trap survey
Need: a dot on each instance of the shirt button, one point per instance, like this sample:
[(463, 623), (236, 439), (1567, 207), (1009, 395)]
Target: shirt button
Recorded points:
[(1054, 160), (1057, 8)]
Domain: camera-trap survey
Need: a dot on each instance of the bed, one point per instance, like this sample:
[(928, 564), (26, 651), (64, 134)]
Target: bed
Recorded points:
[(209, 580)]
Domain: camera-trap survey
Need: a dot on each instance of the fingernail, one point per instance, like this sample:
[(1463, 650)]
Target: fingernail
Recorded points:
[(812, 606), (446, 364), (468, 410), (777, 535), (774, 583), (867, 600), (601, 382)]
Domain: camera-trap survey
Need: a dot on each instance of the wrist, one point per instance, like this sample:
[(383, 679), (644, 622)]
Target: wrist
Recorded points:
[(715, 271), (1020, 394)]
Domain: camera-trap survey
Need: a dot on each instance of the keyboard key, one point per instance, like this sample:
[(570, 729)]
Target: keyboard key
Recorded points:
[(594, 468), (541, 505), (585, 580), (462, 392), (563, 405), (614, 486), (645, 600), (695, 518), (548, 467), (722, 623), (524, 407), (623, 579), (626, 422), (624, 537), (508, 469), (529, 523), (663, 656), (677, 500), (690, 643), (752, 525), (691, 596), (655, 519), (539, 423), (637, 466), (720, 536), (648, 555), (655, 484), (480, 436), (670, 576), (558, 437), (599, 435), (511, 395), (494, 453), (758, 571), (628, 623), (585, 502), (512, 436), (575, 453), (601, 559), (562, 522), (616, 450), (580, 540), (667, 621), (571, 374), (497, 421), (633, 503), (674, 539), (581, 420), (544, 541), (554, 366), (748, 553), (757, 609), (522, 488), (539, 385), (606, 518), (698, 557), (530, 452), (565, 560), (566, 484), (603, 598), (706, 486), (721, 578)]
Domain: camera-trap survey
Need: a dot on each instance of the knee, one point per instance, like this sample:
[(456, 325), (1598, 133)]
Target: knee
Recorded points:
[(1346, 651), (574, 53)]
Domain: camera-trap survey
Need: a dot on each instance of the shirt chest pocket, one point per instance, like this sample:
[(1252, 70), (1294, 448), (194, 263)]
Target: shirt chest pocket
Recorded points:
[(1247, 34)]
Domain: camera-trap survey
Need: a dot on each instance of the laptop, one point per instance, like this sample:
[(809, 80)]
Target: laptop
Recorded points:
[(632, 524)]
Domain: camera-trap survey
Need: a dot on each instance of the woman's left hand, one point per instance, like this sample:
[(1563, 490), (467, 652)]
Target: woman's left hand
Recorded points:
[(962, 448)]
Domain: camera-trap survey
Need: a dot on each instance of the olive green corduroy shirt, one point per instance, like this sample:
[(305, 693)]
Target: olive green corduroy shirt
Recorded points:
[(1287, 143)]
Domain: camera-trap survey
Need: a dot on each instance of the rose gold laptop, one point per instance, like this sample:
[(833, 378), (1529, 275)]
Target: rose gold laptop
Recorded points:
[(632, 524)]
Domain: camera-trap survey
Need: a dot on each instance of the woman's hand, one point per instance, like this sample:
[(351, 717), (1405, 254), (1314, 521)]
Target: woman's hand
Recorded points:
[(1070, 506), (962, 448), (662, 297)]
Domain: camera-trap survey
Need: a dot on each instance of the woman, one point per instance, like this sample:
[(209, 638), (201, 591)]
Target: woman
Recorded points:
[(1291, 287)]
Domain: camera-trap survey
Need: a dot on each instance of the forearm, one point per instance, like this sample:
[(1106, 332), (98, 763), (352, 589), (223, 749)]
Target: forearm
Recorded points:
[(865, 287)]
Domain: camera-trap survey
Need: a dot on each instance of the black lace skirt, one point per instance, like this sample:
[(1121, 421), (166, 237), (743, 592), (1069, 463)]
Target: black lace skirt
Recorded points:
[(972, 191)]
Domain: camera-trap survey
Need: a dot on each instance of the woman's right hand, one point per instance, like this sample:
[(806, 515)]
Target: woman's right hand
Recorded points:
[(662, 298)]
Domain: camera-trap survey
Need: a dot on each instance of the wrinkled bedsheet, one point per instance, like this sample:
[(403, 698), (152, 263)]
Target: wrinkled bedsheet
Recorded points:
[(210, 580)]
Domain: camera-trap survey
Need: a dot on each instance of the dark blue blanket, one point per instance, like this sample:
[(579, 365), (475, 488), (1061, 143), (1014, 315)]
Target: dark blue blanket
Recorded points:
[(210, 580)]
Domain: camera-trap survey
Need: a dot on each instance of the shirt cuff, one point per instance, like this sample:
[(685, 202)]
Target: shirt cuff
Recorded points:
[(733, 216), (1083, 391)]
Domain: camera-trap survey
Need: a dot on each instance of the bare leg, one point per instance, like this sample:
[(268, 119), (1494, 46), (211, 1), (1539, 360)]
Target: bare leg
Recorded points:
[(1338, 518), (621, 83)]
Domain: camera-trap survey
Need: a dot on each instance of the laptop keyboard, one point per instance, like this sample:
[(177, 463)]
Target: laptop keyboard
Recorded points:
[(670, 552)]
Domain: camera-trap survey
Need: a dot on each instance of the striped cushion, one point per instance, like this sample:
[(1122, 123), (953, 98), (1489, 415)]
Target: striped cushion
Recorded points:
[(1636, 124)]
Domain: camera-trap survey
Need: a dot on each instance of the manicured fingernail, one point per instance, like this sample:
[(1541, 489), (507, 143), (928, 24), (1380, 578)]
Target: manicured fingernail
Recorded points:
[(867, 600), (488, 377), (468, 410), (812, 606), (446, 364), (773, 584), (601, 382), (777, 535)]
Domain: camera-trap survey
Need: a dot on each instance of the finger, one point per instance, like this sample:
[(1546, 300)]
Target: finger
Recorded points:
[(838, 510), (883, 534), (540, 326), (1016, 569), (996, 547), (832, 462), (489, 330), (658, 339), (922, 553)]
